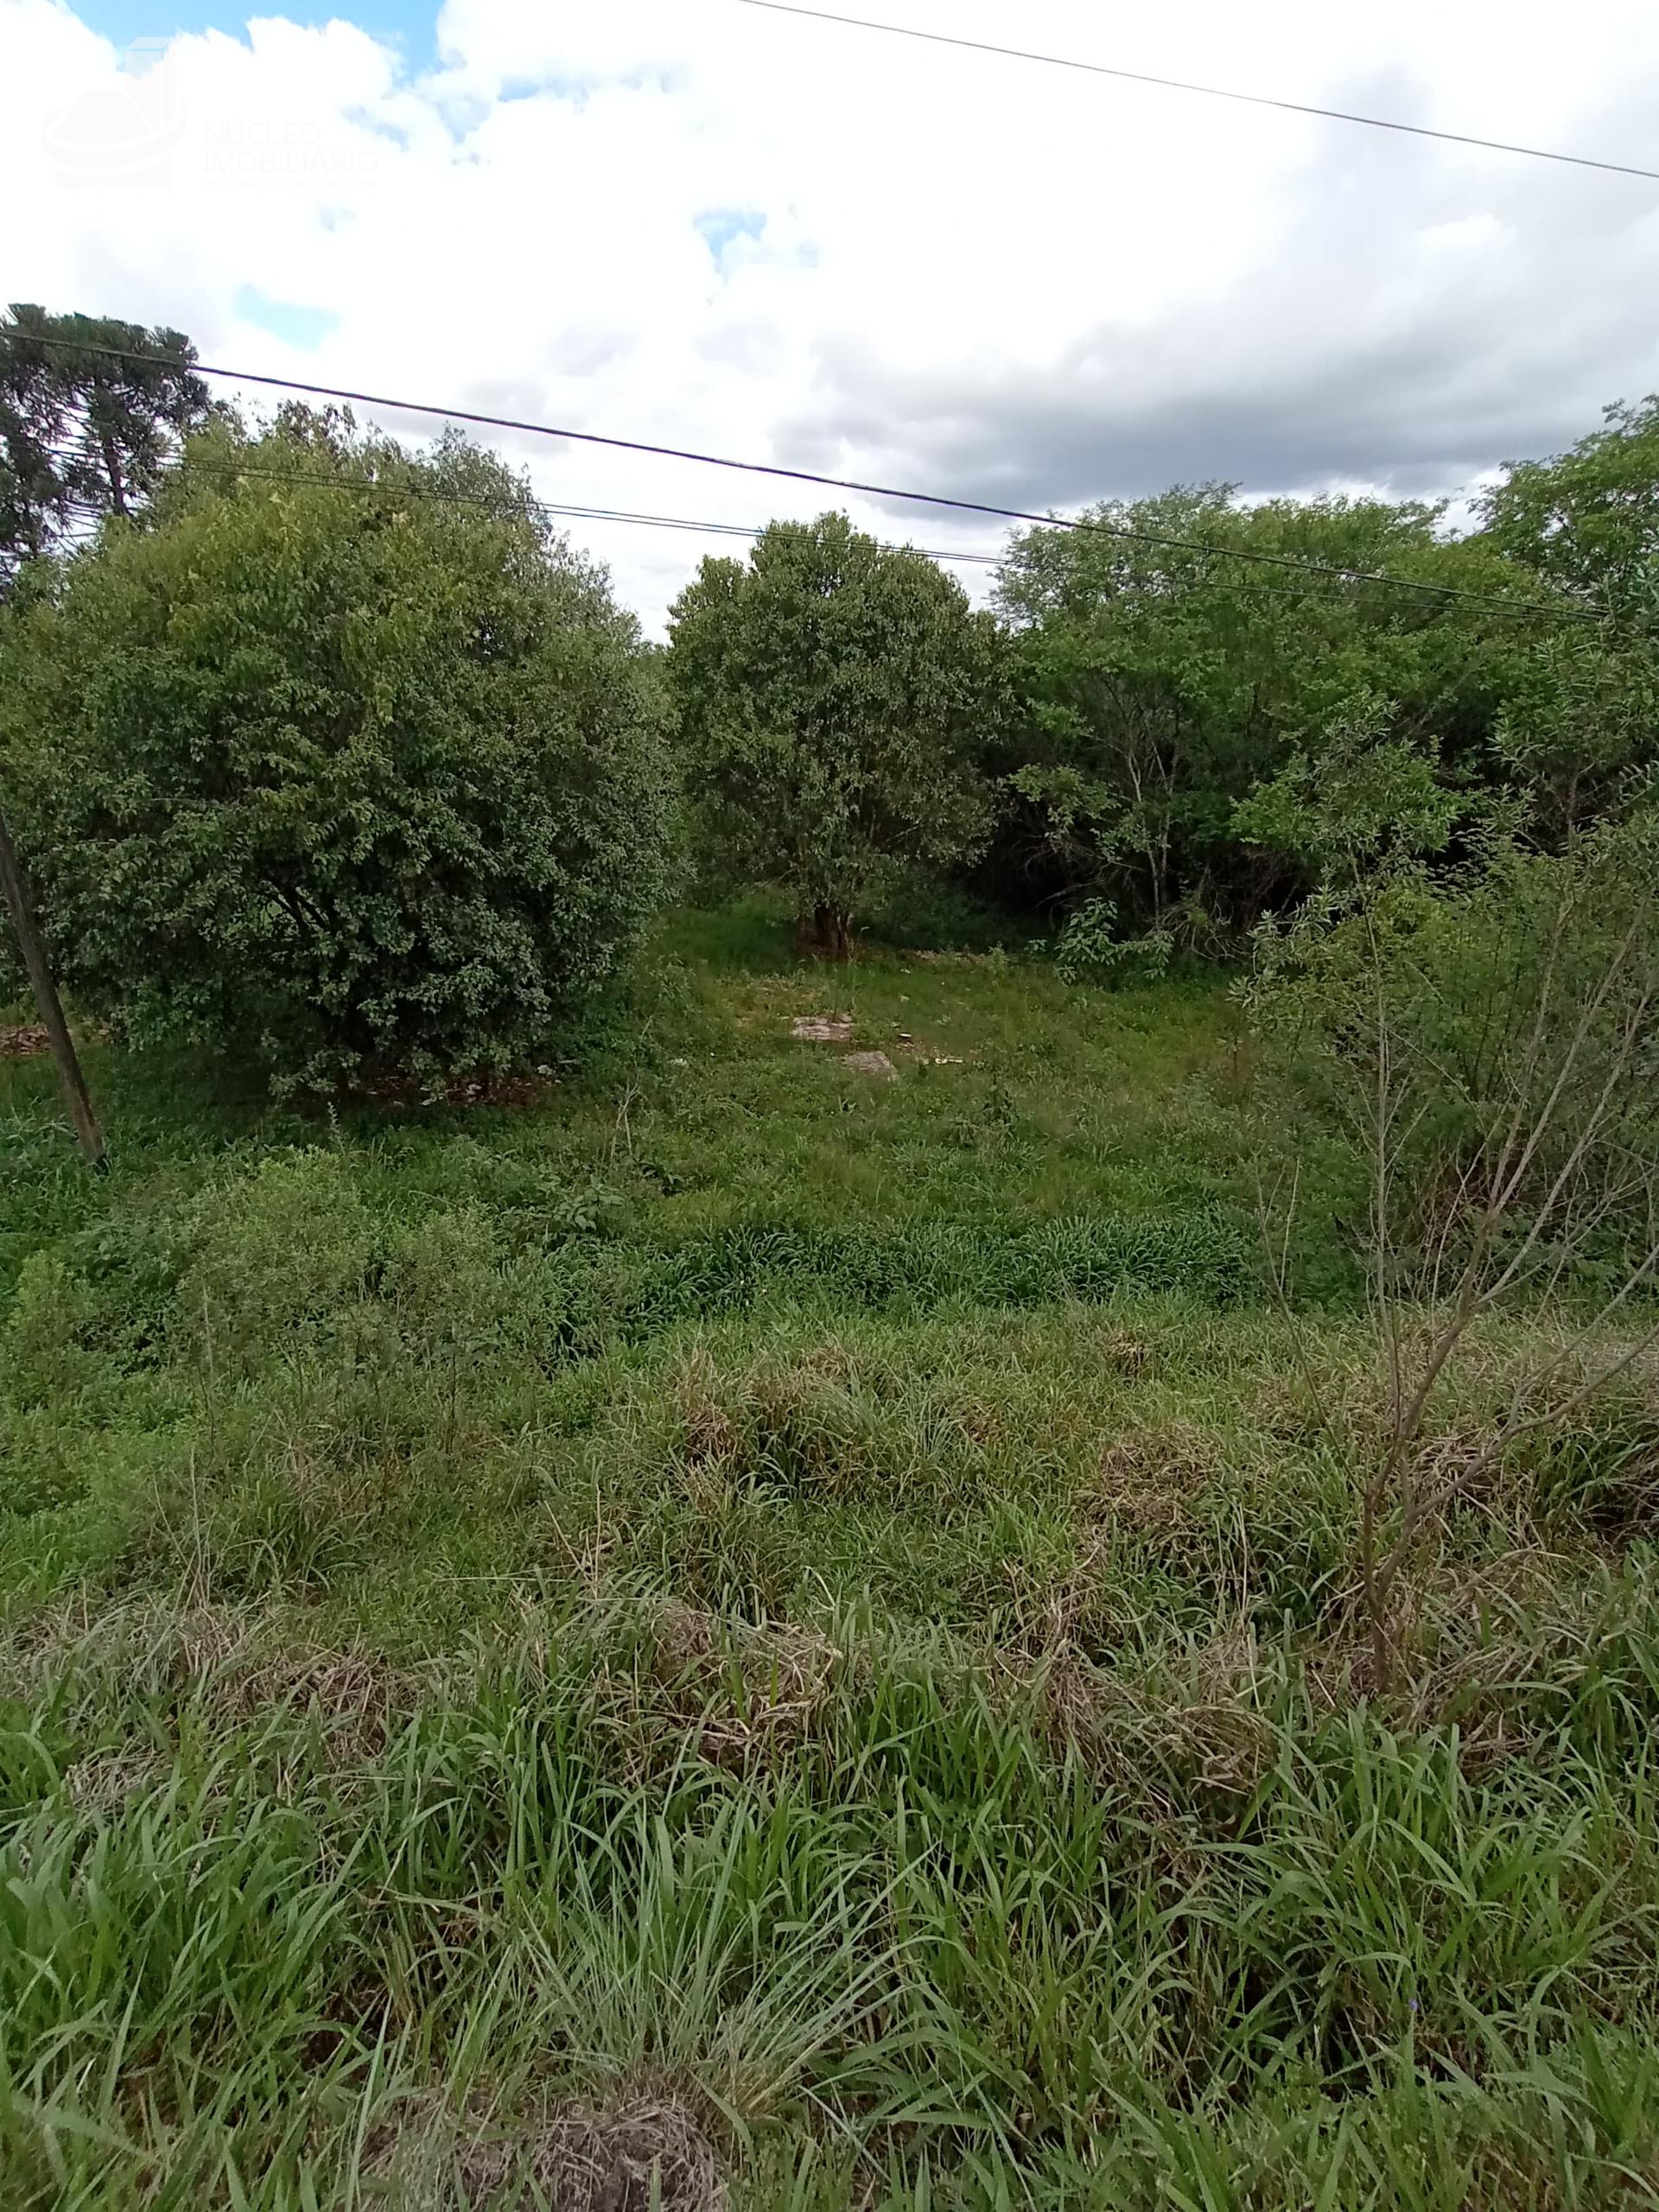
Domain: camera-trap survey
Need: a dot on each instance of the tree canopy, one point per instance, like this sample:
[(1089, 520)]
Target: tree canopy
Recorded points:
[(92, 409), (1160, 685), (342, 758), (835, 698)]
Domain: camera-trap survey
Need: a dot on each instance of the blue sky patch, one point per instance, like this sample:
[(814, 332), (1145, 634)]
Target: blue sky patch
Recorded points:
[(295, 326), (721, 227), (410, 25)]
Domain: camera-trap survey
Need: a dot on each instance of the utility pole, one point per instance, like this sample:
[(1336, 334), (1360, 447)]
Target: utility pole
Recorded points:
[(46, 995)]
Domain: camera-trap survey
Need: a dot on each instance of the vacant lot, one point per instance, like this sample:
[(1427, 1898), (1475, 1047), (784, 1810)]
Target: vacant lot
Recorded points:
[(728, 1629)]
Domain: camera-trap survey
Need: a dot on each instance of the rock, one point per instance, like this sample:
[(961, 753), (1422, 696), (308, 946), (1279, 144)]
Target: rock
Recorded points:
[(822, 1028), (874, 1063)]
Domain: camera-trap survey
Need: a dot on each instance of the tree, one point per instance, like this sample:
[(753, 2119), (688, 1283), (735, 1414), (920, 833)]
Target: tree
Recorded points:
[(1580, 731), (343, 759), (836, 696), (1587, 520), (85, 425), (1160, 681)]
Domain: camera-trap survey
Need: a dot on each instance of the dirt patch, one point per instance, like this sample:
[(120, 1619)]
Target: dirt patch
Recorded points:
[(822, 1028), (21, 1041), (871, 1064)]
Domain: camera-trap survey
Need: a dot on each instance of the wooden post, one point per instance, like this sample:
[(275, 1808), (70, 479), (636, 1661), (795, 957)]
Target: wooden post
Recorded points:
[(45, 996)]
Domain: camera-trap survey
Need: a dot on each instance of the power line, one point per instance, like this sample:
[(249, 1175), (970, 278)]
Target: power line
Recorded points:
[(91, 512), (1550, 612), (237, 468), (1209, 91)]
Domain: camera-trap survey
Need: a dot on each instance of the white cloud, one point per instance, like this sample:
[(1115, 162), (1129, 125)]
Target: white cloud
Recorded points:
[(967, 274)]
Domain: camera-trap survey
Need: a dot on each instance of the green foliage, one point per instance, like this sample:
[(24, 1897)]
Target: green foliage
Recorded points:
[(835, 696), (1587, 520), (1089, 945), (1361, 801), (536, 1645), (80, 429), (1491, 1031), (1160, 686), (1580, 725), (345, 761), (942, 1264)]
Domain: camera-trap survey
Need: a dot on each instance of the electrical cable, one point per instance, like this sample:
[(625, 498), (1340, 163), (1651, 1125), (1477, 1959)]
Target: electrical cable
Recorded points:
[(1550, 611), (94, 513), (237, 468), (1209, 91)]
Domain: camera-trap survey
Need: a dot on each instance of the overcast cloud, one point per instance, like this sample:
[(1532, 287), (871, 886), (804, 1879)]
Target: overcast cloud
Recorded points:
[(710, 227)]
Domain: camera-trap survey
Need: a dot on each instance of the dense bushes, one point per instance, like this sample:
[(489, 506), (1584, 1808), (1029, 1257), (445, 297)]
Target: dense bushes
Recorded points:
[(342, 758), (1160, 685)]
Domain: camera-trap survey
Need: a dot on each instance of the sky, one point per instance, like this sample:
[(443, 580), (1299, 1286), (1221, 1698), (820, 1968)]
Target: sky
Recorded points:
[(705, 225)]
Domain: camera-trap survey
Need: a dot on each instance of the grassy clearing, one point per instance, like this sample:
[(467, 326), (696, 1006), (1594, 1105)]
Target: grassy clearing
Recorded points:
[(734, 1632)]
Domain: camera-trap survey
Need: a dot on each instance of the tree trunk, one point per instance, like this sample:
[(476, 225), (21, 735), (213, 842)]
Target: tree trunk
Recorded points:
[(113, 469), (824, 934), (76, 1092)]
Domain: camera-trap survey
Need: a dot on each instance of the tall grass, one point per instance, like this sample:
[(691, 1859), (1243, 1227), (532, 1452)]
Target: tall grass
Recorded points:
[(741, 1636)]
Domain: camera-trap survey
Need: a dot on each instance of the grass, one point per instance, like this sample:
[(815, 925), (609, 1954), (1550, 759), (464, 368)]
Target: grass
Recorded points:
[(737, 1633)]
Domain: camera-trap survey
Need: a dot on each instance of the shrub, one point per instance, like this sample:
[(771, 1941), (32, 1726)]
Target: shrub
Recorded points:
[(345, 760)]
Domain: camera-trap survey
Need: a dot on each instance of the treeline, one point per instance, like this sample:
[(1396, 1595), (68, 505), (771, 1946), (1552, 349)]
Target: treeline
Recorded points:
[(333, 751)]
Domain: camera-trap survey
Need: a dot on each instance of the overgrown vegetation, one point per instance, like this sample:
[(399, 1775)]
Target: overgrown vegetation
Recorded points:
[(545, 1645), (668, 1576)]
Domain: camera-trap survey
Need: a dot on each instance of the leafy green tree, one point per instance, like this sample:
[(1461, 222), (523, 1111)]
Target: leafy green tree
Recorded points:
[(84, 433), (343, 759), (1580, 730), (1587, 520), (835, 696), (1362, 801), (1158, 685)]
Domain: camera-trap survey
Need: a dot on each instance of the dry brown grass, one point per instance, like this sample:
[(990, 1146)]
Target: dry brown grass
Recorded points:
[(636, 2153), (1477, 1642), (1198, 1719), (747, 1689), (241, 1663), (1149, 1480), (104, 1781), (802, 1416)]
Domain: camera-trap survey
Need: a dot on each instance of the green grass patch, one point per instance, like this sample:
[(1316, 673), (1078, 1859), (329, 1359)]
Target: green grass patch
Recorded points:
[(731, 1632)]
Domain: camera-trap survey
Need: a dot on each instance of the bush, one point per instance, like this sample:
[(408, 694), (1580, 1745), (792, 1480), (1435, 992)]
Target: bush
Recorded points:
[(1499, 1018), (345, 761)]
